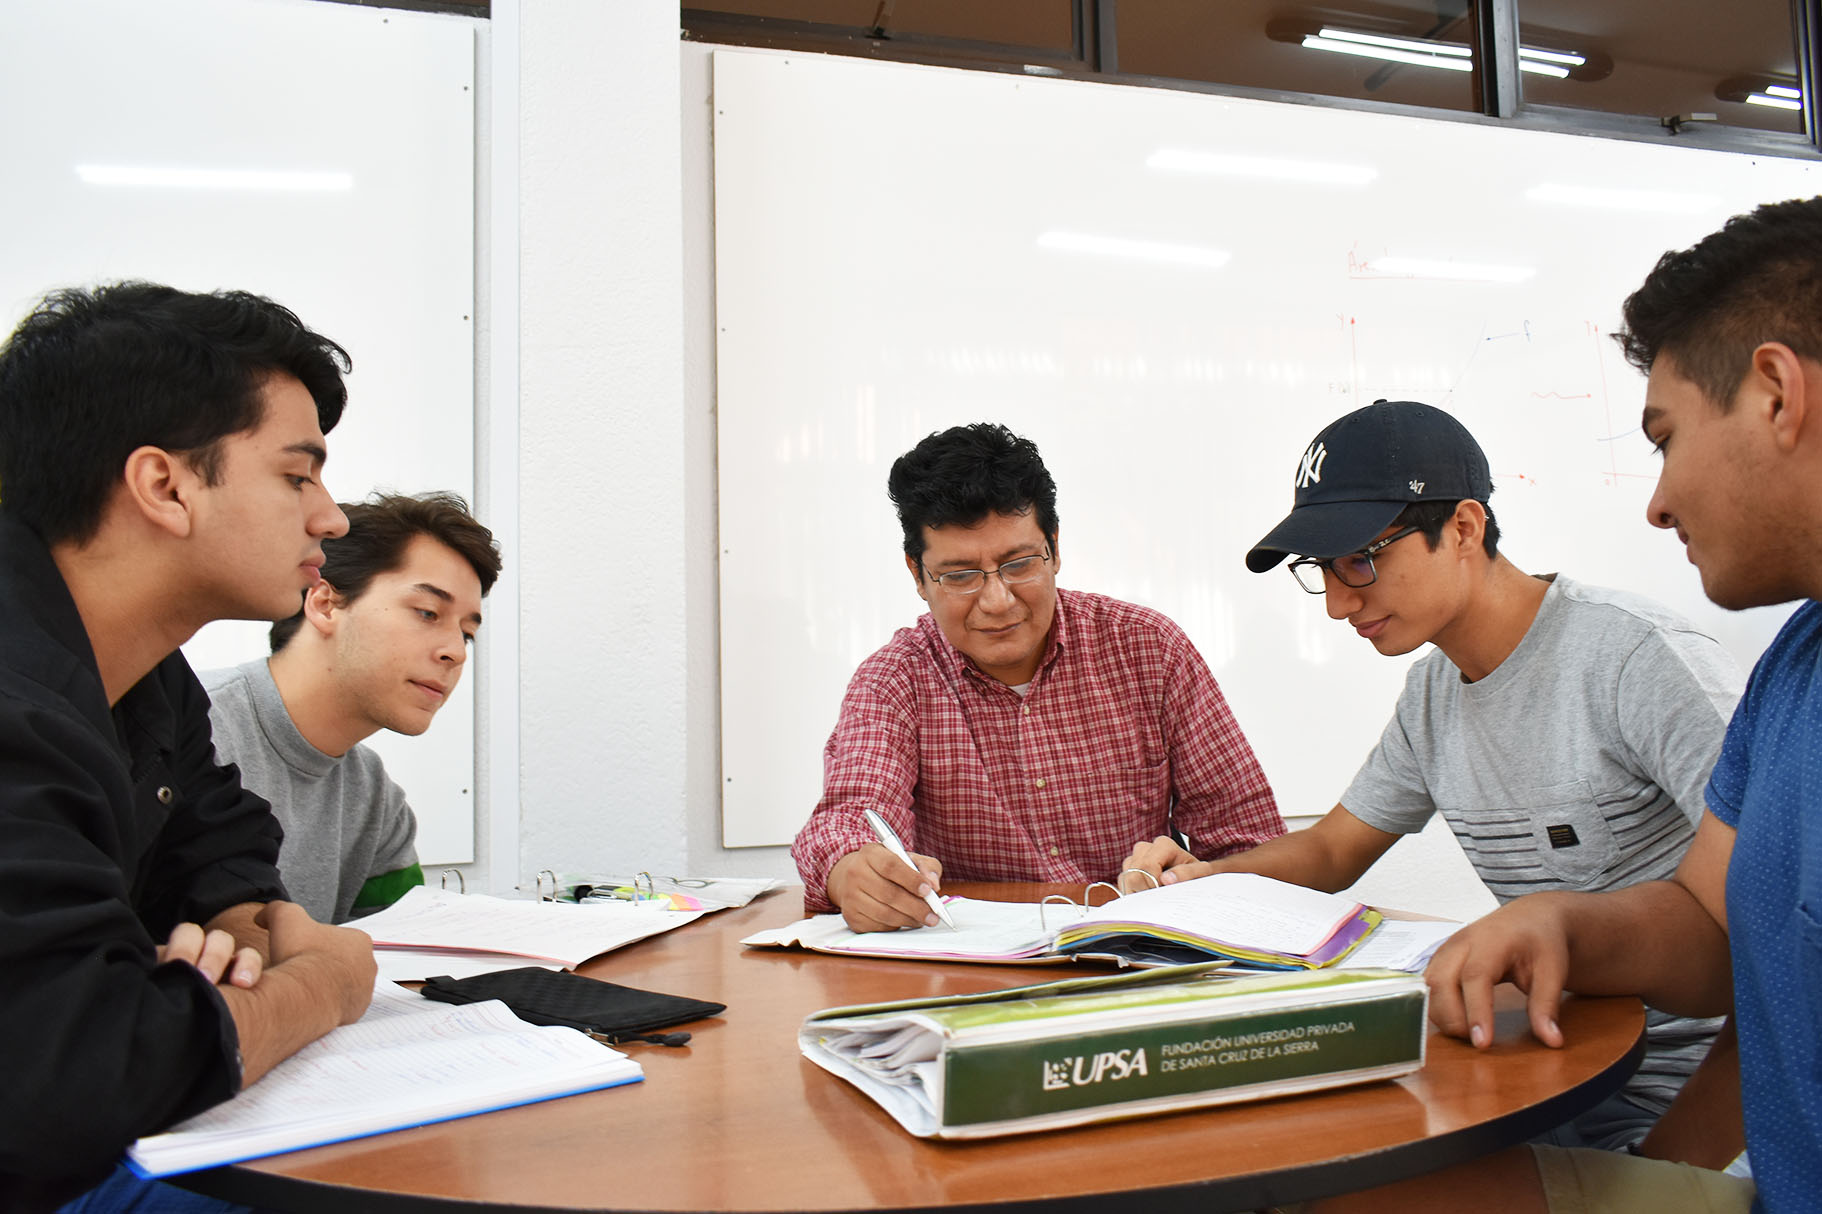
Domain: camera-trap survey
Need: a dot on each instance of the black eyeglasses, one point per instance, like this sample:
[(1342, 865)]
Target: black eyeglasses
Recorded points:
[(1012, 573), (1355, 569)]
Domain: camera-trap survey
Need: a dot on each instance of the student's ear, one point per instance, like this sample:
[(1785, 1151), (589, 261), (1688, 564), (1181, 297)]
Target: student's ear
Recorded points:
[(322, 608), (1780, 383), (917, 577), (1056, 553), (160, 488), (1469, 525)]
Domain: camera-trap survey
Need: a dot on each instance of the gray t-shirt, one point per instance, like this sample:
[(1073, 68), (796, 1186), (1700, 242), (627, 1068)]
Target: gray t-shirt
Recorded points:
[(1577, 764), (345, 820)]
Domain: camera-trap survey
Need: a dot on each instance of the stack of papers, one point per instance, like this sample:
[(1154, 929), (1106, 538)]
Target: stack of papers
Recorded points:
[(433, 932), (1401, 944), (408, 1061)]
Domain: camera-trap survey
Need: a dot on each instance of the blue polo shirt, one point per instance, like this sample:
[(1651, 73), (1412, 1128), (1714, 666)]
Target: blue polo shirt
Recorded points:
[(1767, 785)]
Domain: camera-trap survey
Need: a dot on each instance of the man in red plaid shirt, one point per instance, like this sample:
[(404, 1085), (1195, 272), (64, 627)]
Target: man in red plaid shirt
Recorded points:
[(1017, 732)]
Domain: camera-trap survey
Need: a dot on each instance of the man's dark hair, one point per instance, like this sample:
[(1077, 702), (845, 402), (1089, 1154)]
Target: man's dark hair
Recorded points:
[(379, 531), (92, 375), (1756, 280), (965, 473), (1431, 517)]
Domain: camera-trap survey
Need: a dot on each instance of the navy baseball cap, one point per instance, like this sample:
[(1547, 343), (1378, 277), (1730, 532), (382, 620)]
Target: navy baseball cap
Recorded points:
[(1363, 470)]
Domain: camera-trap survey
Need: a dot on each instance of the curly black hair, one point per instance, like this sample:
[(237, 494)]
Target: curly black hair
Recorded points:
[(1708, 307)]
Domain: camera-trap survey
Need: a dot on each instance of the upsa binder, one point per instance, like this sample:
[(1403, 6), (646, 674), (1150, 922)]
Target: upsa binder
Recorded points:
[(1124, 1045)]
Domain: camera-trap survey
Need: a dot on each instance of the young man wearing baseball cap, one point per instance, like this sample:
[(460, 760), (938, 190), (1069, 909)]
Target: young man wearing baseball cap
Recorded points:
[(1564, 731)]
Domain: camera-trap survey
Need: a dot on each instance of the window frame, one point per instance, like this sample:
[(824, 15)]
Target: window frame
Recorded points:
[(1094, 56)]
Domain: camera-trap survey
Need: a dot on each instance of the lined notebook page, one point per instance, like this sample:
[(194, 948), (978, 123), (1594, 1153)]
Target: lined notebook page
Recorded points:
[(407, 1061)]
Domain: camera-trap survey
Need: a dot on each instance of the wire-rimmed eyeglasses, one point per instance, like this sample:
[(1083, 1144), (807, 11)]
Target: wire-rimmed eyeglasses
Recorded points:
[(1012, 573), (1354, 570)]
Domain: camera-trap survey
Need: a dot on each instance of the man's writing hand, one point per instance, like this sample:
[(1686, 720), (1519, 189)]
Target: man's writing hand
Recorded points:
[(878, 893)]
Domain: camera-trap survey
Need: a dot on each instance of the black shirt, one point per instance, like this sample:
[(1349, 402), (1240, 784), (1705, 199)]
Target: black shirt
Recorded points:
[(115, 826)]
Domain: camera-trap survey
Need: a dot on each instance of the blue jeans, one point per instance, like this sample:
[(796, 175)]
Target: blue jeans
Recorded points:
[(124, 1193)]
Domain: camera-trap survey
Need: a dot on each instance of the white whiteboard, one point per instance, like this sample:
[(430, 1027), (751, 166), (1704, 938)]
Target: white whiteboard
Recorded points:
[(379, 256), (882, 272)]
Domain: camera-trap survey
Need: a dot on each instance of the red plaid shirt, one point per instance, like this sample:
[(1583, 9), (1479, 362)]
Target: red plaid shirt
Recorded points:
[(1122, 734)]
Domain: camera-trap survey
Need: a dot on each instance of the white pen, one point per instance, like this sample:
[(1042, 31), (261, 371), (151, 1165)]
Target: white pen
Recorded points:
[(889, 838)]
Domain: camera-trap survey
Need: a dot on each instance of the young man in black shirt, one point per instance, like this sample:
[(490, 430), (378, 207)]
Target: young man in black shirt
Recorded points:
[(160, 464)]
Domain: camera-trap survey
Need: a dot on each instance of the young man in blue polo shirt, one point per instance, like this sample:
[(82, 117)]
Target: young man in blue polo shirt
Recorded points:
[(1730, 333)]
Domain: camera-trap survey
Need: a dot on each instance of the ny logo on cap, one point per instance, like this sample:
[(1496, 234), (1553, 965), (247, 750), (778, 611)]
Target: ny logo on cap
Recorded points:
[(1309, 472)]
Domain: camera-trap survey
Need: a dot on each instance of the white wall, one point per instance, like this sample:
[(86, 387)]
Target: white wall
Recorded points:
[(608, 614)]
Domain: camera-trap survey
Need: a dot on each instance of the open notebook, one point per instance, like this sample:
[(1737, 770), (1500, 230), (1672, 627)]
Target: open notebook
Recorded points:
[(407, 1062), (1242, 917)]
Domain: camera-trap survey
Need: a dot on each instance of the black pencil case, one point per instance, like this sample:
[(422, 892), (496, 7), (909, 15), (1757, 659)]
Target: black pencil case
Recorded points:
[(604, 1010)]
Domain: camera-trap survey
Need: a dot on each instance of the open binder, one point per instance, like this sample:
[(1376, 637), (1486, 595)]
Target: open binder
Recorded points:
[(431, 932), (1238, 917)]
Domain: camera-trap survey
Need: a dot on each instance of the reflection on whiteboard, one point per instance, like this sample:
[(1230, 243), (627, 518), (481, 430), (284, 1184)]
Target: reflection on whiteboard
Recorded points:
[(320, 154), (1170, 293)]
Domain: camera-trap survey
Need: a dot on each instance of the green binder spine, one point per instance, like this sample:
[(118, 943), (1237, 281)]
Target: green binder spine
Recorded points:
[(1263, 1052)]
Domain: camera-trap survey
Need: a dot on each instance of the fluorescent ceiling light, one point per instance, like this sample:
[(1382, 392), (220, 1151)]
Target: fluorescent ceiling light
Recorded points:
[(1542, 69), (1775, 102), (1431, 52), (1137, 250), (1270, 167), (1620, 199), (212, 179), (1784, 90), (1566, 58), (1316, 42), (1446, 268), (1421, 46)]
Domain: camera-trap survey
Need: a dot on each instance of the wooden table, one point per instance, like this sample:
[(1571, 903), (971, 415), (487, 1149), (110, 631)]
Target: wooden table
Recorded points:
[(738, 1120)]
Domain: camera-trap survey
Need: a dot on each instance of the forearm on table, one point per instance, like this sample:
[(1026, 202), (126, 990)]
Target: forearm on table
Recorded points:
[(1329, 855), (293, 1004), (1652, 940), (1295, 858)]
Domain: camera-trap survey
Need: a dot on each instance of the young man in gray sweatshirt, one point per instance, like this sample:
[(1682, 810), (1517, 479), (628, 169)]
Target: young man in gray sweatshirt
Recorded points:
[(1562, 729), (379, 644)]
